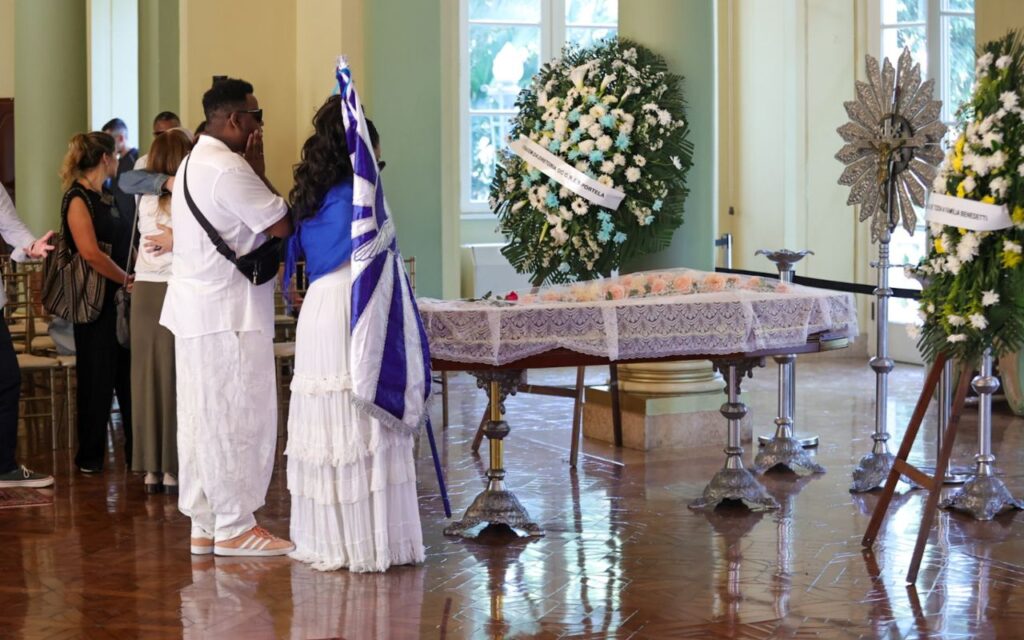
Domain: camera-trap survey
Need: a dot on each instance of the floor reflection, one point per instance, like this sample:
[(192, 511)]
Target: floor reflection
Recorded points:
[(623, 557)]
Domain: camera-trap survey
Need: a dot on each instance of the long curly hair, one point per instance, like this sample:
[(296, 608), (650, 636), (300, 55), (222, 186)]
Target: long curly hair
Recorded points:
[(324, 161)]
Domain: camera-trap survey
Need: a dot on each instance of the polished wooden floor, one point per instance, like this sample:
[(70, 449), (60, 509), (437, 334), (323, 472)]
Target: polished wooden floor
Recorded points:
[(623, 556)]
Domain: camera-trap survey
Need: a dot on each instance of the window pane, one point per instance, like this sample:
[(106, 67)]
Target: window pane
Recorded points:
[(487, 136), (905, 250), (586, 37), (894, 41), (501, 62), (517, 10), (958, 34), (894, 11), (958, 5), (591, 12)]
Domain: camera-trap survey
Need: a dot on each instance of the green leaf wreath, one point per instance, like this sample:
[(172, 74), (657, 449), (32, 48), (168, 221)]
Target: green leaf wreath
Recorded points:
[(614, 112), (973, 297)]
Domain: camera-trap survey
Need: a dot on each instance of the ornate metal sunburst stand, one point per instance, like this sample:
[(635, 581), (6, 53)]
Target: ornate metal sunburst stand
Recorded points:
[(891, 151), (495, 504), (733, 481), (784, 448), (984, 495)]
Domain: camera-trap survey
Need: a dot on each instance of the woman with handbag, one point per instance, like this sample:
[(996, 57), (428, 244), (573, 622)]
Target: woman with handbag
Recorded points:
[(154, 417), (90, 228)]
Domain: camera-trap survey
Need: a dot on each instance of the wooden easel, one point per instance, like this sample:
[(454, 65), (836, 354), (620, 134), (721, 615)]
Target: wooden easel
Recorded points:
[(900, 466)]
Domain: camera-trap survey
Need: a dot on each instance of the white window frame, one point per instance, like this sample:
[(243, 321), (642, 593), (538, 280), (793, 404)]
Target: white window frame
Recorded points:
[(902, 348), (552, 38)]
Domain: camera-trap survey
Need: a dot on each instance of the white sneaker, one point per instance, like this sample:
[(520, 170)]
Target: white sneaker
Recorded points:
[(254, 542)]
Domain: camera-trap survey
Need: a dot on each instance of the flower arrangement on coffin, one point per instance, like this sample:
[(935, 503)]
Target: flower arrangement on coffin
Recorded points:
[(973, 297), (610, 121), (649, 284)]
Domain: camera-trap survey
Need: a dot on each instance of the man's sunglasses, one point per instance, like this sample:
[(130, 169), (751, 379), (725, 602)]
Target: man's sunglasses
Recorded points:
[(256, 113)]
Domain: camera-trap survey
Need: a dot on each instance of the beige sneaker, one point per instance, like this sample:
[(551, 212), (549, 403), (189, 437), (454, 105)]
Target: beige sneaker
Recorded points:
[(254, 542), (202, 546)]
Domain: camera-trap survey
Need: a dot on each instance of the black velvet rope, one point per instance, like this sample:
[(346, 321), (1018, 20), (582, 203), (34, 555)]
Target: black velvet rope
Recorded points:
[(833, 285)]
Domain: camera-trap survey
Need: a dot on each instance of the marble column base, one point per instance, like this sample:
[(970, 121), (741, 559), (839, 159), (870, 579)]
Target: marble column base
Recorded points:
[(675, 422)]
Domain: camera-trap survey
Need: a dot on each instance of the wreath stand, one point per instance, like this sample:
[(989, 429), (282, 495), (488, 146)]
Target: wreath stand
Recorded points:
[(932, 484)]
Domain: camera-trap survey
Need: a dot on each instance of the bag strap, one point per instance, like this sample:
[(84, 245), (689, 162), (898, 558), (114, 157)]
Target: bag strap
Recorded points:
[(131, 246), (218, 242)]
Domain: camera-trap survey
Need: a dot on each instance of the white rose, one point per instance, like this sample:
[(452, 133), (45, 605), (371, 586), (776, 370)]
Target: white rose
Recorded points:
[(632, 174)]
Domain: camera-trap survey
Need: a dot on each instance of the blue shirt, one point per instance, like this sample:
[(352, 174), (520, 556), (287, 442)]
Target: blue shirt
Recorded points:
[(325, 240)]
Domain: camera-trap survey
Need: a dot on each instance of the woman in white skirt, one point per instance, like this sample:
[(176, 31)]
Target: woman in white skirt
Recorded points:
[(352, 479)]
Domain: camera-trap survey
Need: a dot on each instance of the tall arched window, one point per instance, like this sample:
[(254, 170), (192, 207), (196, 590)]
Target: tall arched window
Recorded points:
[(503, 44)]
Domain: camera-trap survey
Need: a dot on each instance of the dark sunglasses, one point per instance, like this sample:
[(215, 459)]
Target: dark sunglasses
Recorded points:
[(256, 113)]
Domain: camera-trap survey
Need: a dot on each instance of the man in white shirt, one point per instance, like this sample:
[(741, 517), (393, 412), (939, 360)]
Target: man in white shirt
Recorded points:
[(25, 245), (224, 327)]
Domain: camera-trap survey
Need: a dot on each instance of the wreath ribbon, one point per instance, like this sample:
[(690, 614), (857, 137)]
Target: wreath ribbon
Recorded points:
[(967, 214), (566, 175)]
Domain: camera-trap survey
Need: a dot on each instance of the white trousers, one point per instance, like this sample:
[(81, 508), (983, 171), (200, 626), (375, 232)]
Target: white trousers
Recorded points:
[(227, 429)]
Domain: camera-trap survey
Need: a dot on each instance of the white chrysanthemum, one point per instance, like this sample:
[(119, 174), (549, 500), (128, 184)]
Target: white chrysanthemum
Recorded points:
[(978, 321), (579, 206), (989, 140), (604, 143), (561, 127), (664, 118), (619, 160), (1009, 99), (542, 191), (1003, 61), (956, 337), (606, 180), (998, 187), (1011, 246), (632, 174), (565, 213), (598, 110), (582, 165), (595, 130), (607, 166), (989, 298), (953, 265), (586, 146), (967, 248), (939, 184), (626, 128), (639, 161), (563, 193), (586, 120), (676, 163), (559, 234), (997, 160), (935, 228), (913, 331), (955, 320), (969, 184), (931, 307)]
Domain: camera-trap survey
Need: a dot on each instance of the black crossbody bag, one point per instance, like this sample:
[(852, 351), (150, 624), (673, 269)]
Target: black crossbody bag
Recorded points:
[(258, 266)]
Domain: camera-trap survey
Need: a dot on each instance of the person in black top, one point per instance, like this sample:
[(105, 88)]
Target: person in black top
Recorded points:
[(126, 155), (91, 225)]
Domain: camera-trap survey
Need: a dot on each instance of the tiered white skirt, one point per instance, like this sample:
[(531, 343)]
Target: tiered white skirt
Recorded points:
[(352, 480)]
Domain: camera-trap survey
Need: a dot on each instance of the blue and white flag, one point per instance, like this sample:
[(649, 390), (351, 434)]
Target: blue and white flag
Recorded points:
[(389, 357)]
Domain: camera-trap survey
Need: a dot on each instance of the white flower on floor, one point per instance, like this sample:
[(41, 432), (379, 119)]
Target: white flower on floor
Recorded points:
[(989, 298), (955, 320), (957, 337), (978, 321)]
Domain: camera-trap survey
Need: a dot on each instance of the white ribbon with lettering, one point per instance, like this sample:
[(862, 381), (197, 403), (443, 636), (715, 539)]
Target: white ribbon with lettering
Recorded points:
[(566, 175), (967, 214)]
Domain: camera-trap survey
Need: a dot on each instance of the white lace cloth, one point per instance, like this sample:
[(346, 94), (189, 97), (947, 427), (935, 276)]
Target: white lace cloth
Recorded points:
[(655, 314)]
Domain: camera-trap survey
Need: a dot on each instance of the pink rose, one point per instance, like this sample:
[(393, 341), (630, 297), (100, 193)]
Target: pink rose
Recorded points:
[(682, 284), (714, 282), (658, 286), (753, 283), (626, 281), (617, 292)]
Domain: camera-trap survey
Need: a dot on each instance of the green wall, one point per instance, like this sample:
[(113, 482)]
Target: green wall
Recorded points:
[(683, 31), (159, 66), (51, 101), (404, 47)]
